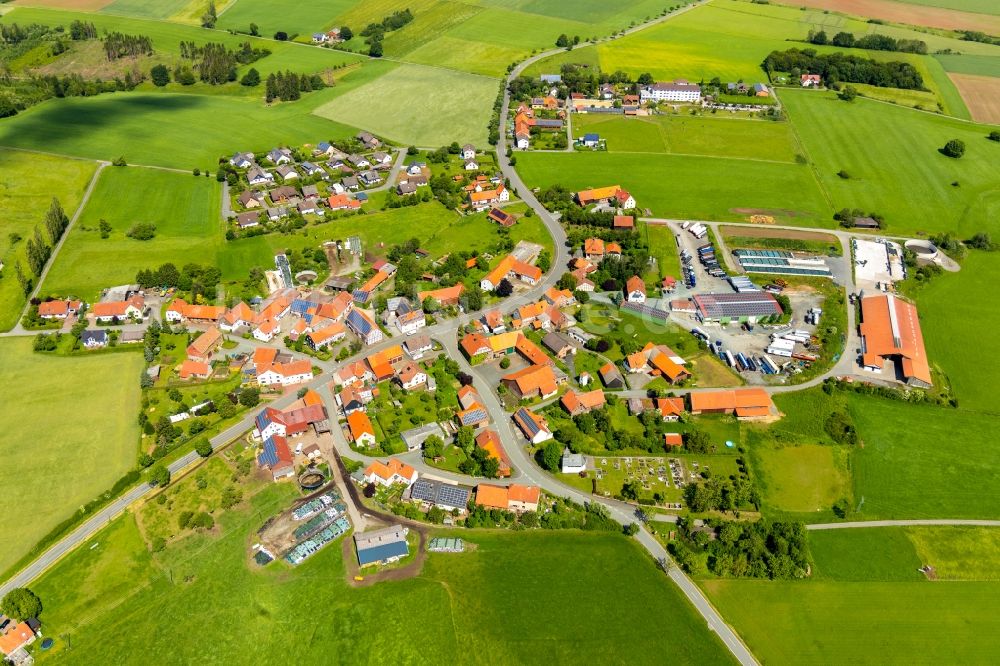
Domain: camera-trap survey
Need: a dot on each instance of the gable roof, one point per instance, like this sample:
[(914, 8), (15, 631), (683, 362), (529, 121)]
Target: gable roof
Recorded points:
[(359, 424)]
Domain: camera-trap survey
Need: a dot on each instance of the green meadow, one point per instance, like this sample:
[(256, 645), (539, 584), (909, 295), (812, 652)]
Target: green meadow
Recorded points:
[(149, 128), (685, 187), (947, 314), (88, 405), (419, 105), (924, 191), (805, 478), (185, 210), (983, 65), (28, 181), (187, 591), (302, 17), (146, 9), (865, 591), (711, 135)]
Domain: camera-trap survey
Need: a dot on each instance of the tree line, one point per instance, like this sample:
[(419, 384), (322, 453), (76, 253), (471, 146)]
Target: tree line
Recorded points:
[(289, 86), (839, 67), (375, 32), (872, 42), (37, 249)]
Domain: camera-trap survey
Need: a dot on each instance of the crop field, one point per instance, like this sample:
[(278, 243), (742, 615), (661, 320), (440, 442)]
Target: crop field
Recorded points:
[(917, 195), (28, 181), (983, 65), (302, 17), (924, 462), (981, 95), (87, 405), (208, 127), (805, 478), (700, 188), (419, 105), (685, 135), (184, 209), (948, 14), (141, 601)]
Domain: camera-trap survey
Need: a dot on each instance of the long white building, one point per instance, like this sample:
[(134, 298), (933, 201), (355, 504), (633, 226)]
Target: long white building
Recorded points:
[(678, 91)]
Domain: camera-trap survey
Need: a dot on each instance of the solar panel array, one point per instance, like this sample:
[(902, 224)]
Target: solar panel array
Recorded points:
[(529, 423), (721, 306)]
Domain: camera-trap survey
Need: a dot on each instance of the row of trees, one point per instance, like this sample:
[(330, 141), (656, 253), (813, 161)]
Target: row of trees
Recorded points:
[(289, 86), (193, 278), (375, 32), (38, 249), (119, 45), (839, 67), (872, 42)]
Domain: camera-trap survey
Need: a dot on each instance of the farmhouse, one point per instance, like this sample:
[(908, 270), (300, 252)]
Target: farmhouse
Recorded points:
[(559, 344), (446, 297), (658, 360), (361, 430), (190, 369), (484, 199), (611, 377), (447, 496), (382, 546), (276, 457), (515, 497), (534, 427), (623, 223), (502, 218), (205, 345), (181, 310), (389, 473), (14, 637), (326, 336), (489, 441), (612, 195), (670, 408), (534, 381), (580, 403), (635, 290), (890, 331), (110, 311), (511, 267), (58, 309), (364, 327), (746, 403), (811, 80), (284, 374), (678, 91)]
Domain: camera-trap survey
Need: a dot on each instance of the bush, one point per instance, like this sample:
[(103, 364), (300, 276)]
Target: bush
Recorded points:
[(203, 447), (160, 75), (954, 148), (142, 231), (994, 135)]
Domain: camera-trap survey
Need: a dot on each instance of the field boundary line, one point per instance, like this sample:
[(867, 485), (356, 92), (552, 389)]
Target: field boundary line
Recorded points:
[(954, 522)]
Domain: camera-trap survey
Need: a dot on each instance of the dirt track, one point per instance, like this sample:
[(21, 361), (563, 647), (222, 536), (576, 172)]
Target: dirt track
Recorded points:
[(901, 12), (981, 94), (763, 231)]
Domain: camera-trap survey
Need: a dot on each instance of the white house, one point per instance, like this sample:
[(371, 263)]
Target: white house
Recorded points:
[(635, 290), (522, 141), (411, 322), (471, 164), (573, 463), (412, 377), (257, 176), (285, 374), (468, 151), (390, 473), (267, 330), (678, 91)]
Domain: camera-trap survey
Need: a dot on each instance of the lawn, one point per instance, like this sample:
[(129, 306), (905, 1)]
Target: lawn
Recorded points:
[(917, 195), (874, 554), (87, 444), (184, 209), (924, 462), (663, 247), (192, 594), (28, 181), (419, 105), (947, 314), (678, 186), (710, 136), (959, 553), (801, 479)]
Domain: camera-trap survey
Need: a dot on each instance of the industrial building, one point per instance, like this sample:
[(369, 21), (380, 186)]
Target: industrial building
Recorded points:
[(890, 331), (745, 307), (781, 262)]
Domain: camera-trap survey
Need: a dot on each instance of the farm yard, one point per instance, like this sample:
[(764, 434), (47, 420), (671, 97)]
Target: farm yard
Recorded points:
[(88, 406), (184, 209), (28, 181)]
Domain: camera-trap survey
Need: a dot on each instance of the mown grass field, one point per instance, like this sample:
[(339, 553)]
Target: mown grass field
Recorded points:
[(300, 17), (106, 614), (28, 181), (865, 591), (924, 462), (149, 128), (419, 105), (917, 195), (686, 135), (69, 433), (806, 478), (185, 210), (984, 65), (701, 188), (949, 313)]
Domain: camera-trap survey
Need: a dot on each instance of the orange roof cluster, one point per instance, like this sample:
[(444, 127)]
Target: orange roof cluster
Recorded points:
[(499, 497), (386, 470), (578, 403), (535, 379), (119, 308), (205, 343), (474, 344), (511, 264), (332, 331), (444, 296), (890, 328), (374, 281), (487, 195), (190, 311), (57, 308), (593, 247)]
